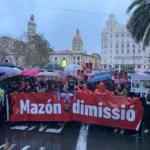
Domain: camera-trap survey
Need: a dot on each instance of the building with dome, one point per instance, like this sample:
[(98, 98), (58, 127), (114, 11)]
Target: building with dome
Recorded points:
[(76, 55)]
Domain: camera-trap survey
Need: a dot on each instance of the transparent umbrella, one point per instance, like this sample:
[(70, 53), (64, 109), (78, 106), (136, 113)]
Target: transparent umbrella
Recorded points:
[(52, 66)]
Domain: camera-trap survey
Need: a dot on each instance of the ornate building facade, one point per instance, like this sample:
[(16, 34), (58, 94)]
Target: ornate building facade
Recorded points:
[(76, 55), (119, 50)]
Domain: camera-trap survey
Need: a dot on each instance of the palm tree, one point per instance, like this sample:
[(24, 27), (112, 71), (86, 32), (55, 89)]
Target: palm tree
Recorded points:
[(139, 22)]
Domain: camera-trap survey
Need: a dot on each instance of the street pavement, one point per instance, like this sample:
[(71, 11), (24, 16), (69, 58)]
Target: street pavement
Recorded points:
[(66, 136)]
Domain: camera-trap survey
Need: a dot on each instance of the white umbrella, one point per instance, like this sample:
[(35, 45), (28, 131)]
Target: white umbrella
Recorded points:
[(48, 75), (9, 73), (71, 69)]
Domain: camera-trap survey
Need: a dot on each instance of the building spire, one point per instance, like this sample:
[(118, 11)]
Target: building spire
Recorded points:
[(77, 31), (31, 27)]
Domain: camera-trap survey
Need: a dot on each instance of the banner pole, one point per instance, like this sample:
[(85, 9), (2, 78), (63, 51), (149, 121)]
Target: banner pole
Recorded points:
[(7, 108)]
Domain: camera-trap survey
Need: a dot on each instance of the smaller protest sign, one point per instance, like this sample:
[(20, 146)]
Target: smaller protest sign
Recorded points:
[(121, 77), (140, 84), (88, 67), (80, 74)]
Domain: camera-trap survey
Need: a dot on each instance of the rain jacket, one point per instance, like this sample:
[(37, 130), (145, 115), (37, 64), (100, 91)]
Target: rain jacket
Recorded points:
[(102, 92), (87, 91)]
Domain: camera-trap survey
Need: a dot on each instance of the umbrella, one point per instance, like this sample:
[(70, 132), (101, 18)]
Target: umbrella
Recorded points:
[(100, 78), (52, 66), (6, 64), (32, 72), (71, 69), (48, 75), (98, 73), (9, 73), (130, 71)]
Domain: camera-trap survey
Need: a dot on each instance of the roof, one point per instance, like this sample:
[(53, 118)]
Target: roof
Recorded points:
[(77, 38)]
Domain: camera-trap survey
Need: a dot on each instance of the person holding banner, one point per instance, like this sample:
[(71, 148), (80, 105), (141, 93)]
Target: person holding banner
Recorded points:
[(85, 90), (102, 89), (80, 88), (121, 91), (147, 113)]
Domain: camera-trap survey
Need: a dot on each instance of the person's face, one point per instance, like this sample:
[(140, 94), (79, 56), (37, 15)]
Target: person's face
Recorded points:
[(142, 83), (137, 94), (28, 86), (71, 84), (81, 85), (53, 86), (84, 86), (102, 87), (119, 86)]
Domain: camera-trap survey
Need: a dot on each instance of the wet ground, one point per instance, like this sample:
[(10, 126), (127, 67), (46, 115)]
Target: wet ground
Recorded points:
[(67, 136)]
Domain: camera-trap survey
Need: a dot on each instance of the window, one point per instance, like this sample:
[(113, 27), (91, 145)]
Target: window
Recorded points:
[(128, 35), (78, 58), (122, 45), (110, 45), (122, 51), (105, 66), (74, 63), (74, 58), (78, 63), (116, 51), (128, 45), (117, 35), (55, 58), (127, 51), (139, 66), (122, 35), (111, 35), (116, 66), (105, 46), (78, 46), (139, 50)]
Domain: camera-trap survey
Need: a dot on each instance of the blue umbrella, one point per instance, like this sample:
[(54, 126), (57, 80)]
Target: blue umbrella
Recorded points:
[(100, 78)]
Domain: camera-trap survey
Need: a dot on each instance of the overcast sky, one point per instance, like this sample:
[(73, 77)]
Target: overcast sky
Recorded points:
[(59, 26)]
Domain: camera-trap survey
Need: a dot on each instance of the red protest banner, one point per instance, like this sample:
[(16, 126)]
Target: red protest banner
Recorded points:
[(88, 68), (105, 110)]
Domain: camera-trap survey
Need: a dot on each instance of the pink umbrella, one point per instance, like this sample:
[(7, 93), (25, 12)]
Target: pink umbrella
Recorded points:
[(32, 72)]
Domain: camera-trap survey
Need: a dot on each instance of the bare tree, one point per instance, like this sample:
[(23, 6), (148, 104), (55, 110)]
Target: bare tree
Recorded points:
[(35, 52), (6, 43)]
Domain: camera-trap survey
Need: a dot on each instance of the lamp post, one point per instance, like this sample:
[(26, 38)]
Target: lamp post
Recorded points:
[(134, 55)]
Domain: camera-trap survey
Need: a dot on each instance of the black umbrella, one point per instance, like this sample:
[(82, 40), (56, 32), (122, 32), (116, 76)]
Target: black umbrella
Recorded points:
[(52, 66), (6, 64)]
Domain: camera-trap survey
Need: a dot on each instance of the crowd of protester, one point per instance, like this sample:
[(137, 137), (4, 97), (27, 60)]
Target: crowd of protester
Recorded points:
[(31, 84)]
